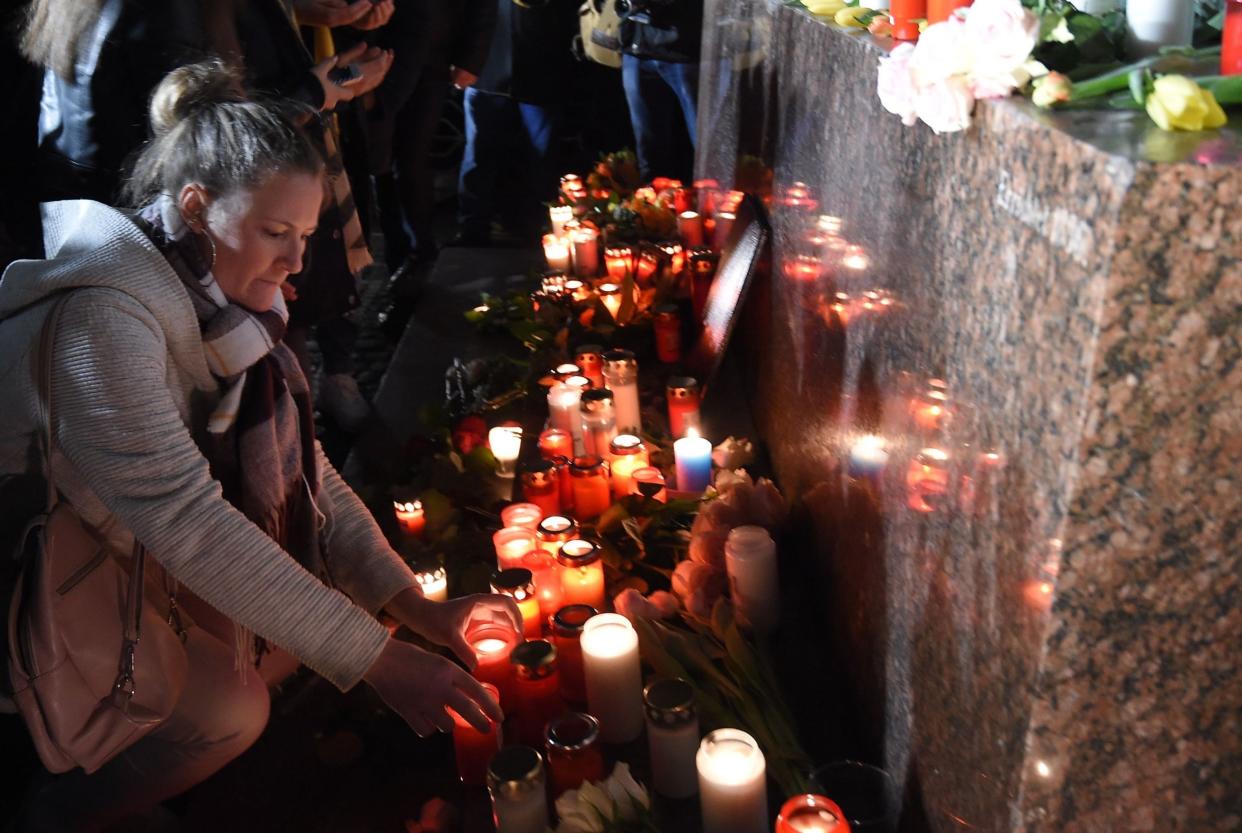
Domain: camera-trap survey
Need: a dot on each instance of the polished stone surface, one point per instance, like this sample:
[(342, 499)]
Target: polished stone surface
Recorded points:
[(1038, 592)]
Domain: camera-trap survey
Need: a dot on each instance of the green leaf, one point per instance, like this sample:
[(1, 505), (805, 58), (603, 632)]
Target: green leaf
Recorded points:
[(1138, 80)]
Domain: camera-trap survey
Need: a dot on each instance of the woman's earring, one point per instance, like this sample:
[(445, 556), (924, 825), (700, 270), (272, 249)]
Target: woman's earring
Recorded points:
[(200, 230)]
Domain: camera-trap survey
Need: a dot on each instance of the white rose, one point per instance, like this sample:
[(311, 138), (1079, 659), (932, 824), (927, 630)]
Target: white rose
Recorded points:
[(942, 51), (945, 106), (1001, 34), (895, 86)]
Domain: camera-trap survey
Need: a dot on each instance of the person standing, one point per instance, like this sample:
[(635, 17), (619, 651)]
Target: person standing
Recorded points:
[(512, 115), (660, 44)]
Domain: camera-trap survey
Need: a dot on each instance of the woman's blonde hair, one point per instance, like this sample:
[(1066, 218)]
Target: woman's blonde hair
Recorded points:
[(207, 131), (52, 30)]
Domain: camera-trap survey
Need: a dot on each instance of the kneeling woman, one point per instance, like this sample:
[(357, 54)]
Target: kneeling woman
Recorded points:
[(181, 421)]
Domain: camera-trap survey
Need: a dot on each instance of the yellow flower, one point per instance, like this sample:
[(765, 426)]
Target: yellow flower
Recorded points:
[(849, 16), (1178, 103), (825, 8)]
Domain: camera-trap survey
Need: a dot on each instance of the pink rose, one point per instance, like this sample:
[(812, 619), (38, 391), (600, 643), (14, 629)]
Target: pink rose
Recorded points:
[(634, 605), (716, 515), (709, 548), (1001, 34), (942, 52), (945, 105), (767, 505), (698, 586), (727, 479), (895, 84)]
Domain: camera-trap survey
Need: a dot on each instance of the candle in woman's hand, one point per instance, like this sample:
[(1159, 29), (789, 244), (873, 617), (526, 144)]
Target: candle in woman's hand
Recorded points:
[(614, 679), (519, 585), (492, 645), (474, 750), (732, 784), (694, 462)]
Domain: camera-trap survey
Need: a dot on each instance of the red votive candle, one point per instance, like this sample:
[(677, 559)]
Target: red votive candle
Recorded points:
[(554, 531), (649, 482), (567, 626), (519, 584), (683, 405), (811, 814), (564, 484), (539, 486), (574, 756), (536, 690), (628, 453), (590, 357), (618, 262), (938, 11), (511, 544), (410, 516), (667, 326), (546, 573), (1231, 39), (702, 273), (474, 749), (648, 264), (492, 645), (526, 515), (592, 495), (556, 443), (582, 574)]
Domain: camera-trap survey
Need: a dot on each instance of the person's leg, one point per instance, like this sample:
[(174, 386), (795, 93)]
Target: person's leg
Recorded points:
[(540, 126), (339, 396), (415, 134), (652, 110), (220, 714), (683, 79), (481, 163)]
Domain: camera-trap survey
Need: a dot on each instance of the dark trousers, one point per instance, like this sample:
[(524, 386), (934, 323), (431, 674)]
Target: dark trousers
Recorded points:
[(504, 136), (407, 194), (662, 96)]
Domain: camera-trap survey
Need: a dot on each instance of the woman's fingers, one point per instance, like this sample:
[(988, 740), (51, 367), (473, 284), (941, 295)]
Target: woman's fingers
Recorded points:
[(469, 711), (474, 690)]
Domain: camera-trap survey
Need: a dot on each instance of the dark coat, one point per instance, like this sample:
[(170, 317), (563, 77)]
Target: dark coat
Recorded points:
[(666, 30), (532, 57), (90, 125)]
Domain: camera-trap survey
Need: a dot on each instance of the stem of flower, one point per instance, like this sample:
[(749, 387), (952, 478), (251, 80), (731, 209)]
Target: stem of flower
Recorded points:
[(1119, 79)]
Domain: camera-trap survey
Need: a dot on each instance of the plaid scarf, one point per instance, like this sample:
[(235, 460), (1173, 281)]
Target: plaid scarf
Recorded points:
[(261, 436)]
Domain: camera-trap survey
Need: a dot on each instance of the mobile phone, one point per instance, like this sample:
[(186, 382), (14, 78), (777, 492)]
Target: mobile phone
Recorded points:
[(344, 76)]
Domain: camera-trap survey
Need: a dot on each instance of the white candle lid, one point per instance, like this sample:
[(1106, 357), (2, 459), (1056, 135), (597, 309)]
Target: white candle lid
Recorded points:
[(749, 542)]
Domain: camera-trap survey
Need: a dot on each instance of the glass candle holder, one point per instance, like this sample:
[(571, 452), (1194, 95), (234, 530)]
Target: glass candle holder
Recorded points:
[(567, 625), (556, 252), (614, 678), (582, 574), (690, 229), (517, 785), (666, 324), (512, 543), (750, 559), (574, 756), (724, 225), (927, 480), (586, 251), (590, 357), (553, 284), (564, 483), (556, 443), (867, 796), (733, 791), (647, 265), (599, 421), (564, 411), (536, 689), (672, 737), (492, 645), (684, 402), (649, 482), (702, 272), (618, 262), (621, 377), (577, 289), (519, 584), (526, 515), (676, 257), (554, 531), (566, 369), (559, 215), (432, 581), (545, 572), (811, 814), (592, 492), (410, 517), (505, 442), (539, 486), (473, 749), (931, 411), (627, 453), (610, 296)]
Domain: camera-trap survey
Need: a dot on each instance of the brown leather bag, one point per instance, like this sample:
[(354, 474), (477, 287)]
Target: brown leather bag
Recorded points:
[(92, 665)]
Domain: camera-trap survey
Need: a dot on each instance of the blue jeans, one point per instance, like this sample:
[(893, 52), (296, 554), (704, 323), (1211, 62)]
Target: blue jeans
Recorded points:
[(661, 94), (505, 138)]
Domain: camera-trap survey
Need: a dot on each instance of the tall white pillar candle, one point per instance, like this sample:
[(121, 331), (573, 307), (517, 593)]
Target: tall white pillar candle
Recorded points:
[(518, 787), (672, 737), (1152, 24), (564, 410), (560, 215), (621, 377), (750, 558), (614, 678), (732, 783)]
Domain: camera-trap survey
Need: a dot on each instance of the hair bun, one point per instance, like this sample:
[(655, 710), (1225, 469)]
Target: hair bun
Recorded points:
[(191, 88)]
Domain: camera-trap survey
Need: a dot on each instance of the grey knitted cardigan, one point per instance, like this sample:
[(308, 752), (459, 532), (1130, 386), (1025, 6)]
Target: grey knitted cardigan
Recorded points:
[(131, 390)]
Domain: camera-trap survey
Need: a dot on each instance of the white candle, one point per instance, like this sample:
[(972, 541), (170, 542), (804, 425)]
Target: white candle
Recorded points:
[(724, 224), (526, 515), (433, 581), (506, 443), (693, 456), (690, 227), (621, 377), (560, 215), (556, 252), (732, 784), (564, 411), (518, 788), (750, 558), (614, 679), (868, 455), (672, 737), (1152, 24), (610, 295), (586, 252)]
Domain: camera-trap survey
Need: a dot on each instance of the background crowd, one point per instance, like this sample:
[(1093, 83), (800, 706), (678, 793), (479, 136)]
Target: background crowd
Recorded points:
[(419, 102)]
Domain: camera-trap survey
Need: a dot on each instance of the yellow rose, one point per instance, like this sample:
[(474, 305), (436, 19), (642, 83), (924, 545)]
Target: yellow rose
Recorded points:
[(849, 16), (1178, 103), (825, 8)]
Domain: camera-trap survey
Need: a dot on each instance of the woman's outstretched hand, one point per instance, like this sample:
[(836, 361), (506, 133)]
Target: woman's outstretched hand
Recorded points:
[(418, 685), (446, 623)]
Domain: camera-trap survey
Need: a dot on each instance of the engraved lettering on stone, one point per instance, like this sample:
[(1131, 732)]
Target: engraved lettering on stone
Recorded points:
[(1063, 229)]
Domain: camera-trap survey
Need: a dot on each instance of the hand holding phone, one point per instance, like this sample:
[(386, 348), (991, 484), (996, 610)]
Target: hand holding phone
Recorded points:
[(344, 76)]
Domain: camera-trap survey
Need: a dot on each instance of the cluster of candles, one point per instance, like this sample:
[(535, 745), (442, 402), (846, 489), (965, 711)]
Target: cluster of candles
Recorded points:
[(822, 258)]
